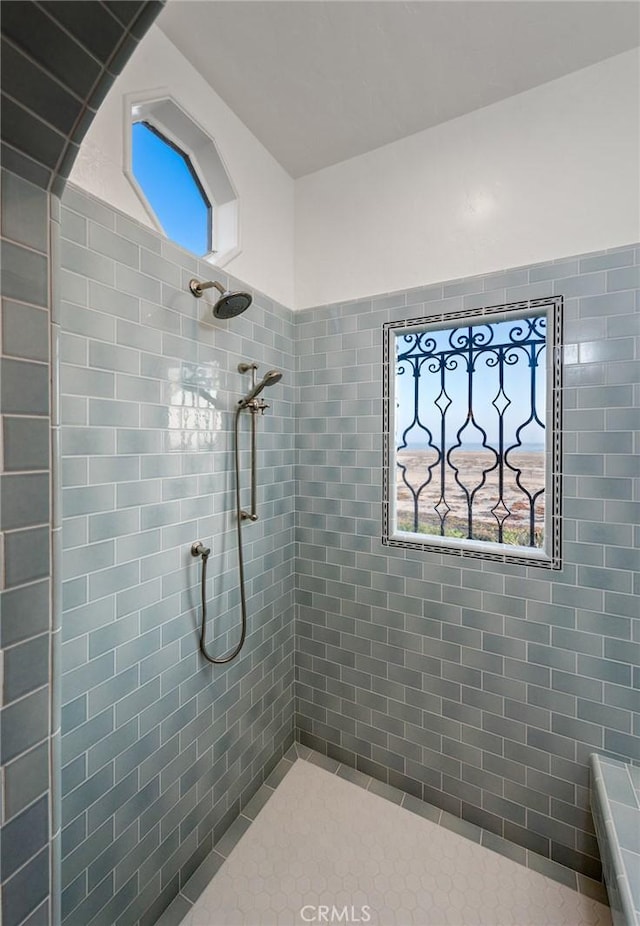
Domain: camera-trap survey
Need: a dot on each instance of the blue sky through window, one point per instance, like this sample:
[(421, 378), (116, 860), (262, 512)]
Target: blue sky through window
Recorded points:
[(172, 192)]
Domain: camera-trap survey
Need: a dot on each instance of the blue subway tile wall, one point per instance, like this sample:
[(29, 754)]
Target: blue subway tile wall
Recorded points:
[(58, 61), (161, 750), (25, 720), (419, 614), (481, 688)]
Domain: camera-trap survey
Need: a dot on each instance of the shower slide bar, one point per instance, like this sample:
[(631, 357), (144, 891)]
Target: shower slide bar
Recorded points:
[(255, 405)]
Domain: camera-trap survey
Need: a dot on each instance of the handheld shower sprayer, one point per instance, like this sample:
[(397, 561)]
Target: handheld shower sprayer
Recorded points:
[(269, 379)]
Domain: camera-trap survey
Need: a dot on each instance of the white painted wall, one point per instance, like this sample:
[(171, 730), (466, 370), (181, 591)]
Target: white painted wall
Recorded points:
[(265, 190), (548, 173)]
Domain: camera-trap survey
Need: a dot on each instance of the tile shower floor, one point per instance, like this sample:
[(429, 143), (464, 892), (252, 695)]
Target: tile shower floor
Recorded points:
[(323, 850)]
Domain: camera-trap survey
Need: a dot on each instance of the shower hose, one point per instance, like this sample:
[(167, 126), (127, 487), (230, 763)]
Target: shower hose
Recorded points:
[(205, 556)]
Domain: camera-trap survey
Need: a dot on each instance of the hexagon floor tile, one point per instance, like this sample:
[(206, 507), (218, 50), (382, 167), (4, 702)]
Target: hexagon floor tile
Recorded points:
[(323, 850)]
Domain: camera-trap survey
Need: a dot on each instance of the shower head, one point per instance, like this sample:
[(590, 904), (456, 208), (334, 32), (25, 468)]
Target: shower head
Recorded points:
[(269, 379), (229, 304)]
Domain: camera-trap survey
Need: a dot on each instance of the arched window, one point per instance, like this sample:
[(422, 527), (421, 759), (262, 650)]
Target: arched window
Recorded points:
[(172, 188)]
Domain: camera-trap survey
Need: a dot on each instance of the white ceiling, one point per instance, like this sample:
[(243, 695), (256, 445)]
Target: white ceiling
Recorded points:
[(320, 81)]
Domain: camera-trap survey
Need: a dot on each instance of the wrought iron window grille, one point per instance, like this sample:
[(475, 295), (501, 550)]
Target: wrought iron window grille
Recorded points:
[(472, 433)]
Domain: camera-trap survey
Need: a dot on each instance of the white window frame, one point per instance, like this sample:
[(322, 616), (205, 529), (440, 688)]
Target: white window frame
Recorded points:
[(171, 119)]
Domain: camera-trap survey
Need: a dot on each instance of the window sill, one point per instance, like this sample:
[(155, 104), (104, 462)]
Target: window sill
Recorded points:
[(497, 552)]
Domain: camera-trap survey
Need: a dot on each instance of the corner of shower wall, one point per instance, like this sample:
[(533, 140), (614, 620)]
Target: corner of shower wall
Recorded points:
[(56, 568), (160, 751), (28, 716)]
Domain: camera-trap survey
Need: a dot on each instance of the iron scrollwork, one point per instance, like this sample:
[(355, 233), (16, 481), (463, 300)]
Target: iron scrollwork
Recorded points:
[(467, 455)]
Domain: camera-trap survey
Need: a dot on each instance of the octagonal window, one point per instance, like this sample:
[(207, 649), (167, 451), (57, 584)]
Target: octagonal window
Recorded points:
[(175, 169), (172, 188)]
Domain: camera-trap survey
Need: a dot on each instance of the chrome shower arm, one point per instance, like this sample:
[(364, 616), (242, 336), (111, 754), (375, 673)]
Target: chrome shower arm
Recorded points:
[(198, 288)]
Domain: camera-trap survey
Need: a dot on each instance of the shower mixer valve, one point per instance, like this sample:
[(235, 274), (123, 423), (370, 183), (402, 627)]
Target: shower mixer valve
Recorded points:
[(258, 405)]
